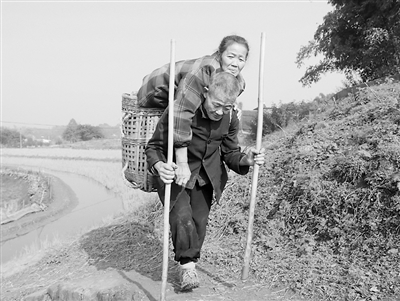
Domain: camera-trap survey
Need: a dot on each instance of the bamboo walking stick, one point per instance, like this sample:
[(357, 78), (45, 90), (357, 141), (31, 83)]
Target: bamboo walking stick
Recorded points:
[(245, 269), (167, 194)]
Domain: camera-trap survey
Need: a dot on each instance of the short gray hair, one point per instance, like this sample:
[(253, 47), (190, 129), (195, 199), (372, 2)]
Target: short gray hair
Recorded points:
[(225, 85)]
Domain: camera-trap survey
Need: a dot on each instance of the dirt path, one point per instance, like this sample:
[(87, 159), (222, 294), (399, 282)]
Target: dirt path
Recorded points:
[(69, 276), (103, 266)]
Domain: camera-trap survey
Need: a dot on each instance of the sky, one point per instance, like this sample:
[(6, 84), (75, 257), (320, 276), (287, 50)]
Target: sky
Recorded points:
[(74, 59)]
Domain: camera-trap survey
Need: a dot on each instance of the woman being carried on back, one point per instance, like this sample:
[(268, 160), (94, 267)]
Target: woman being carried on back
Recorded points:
[(231, 56), (192, 78)]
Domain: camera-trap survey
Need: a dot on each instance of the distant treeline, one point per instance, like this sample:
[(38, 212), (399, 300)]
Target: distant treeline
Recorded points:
[(73, 132)]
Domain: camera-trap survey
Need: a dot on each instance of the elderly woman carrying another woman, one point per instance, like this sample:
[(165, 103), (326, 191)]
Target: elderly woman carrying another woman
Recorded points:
[(204, 137)]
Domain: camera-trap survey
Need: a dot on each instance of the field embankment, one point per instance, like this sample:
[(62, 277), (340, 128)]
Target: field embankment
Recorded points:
[(22, 193)]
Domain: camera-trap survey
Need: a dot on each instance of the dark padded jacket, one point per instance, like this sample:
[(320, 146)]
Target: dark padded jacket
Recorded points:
[(213, 143)]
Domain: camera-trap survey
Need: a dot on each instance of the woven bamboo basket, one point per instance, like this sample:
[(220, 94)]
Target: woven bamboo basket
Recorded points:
[(137, 127)]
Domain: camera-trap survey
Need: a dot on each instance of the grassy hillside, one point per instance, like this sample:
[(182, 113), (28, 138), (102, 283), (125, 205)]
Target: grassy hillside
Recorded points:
[(328, 204)]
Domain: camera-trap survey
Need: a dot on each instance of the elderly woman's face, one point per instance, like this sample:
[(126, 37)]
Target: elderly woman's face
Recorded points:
[(233, 58)]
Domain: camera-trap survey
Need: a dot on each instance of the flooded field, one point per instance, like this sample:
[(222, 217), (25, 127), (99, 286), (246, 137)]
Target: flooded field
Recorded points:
[(92, 176), (95, 203)]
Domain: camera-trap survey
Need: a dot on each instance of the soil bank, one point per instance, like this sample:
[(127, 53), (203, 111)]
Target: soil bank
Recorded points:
[(63, 200)]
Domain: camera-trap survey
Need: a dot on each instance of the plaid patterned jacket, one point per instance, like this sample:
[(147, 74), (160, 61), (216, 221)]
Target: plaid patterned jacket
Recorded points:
[(191, 79)]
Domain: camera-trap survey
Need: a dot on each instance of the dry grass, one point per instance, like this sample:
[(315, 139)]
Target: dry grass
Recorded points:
[(42, 268), (65, 153), (94, 144)]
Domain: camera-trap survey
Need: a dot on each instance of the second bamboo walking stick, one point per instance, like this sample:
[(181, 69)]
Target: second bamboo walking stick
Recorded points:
[(167, 194), (245, 270)]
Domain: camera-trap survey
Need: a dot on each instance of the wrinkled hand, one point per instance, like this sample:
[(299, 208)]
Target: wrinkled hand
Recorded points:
[(253, 157), (166, 171), (182, 174)]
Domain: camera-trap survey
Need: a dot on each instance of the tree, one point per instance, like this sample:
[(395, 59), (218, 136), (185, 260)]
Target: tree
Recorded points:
[(10, 137), (72, 123), (81, 132), (88, 132), (361, 36), (70, 134)]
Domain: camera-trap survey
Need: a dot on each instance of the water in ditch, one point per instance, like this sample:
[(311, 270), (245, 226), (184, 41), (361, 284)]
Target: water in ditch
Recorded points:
[(95, 203)]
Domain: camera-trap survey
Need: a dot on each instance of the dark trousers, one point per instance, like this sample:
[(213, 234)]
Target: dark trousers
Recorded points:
[(188, 219)]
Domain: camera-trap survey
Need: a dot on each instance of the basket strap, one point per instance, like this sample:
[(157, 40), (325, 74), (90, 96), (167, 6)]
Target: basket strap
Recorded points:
[(126, 116), (128, 183)]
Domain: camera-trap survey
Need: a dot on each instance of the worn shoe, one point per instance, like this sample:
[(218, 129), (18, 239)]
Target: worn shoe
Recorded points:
[(189, 278)]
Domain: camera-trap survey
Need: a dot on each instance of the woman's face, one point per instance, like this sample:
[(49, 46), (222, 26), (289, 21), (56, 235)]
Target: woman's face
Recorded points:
[(233, 58)]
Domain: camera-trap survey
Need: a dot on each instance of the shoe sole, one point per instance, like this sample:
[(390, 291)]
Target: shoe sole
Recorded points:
[(190, 286)]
